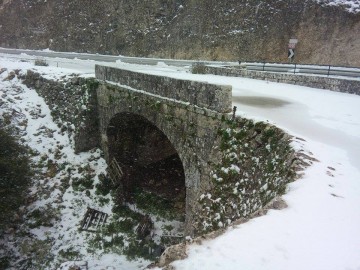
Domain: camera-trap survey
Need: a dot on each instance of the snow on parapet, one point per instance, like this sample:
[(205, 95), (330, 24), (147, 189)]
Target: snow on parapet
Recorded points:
[(352, 6), (210, 96)]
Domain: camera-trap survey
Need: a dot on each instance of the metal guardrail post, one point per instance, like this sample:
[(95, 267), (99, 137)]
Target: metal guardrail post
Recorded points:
[(295, 69), (329, 71)]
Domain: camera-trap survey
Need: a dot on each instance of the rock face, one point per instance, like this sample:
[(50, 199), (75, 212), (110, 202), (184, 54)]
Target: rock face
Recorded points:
[(202, 29)]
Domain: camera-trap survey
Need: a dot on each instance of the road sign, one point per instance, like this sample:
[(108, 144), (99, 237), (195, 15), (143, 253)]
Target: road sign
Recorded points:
[(291, 53), (292, 43)]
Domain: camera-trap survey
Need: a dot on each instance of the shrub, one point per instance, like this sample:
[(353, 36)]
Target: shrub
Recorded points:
[(14, 175), (41, 62), (104, 186)]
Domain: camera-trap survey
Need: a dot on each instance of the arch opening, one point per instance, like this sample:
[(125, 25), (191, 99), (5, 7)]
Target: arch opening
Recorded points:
[(150, 170)]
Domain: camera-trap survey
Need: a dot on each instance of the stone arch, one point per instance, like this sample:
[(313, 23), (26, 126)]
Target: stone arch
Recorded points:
[(148, 157), (189, 129)]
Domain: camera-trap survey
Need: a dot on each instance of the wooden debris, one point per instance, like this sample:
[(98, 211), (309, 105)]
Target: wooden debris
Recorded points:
[(93, 219), (145, 227), (115, 172)]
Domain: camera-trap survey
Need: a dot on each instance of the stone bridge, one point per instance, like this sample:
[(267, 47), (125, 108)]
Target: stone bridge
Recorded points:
[(174, 138), (187, 113), (223, 167)]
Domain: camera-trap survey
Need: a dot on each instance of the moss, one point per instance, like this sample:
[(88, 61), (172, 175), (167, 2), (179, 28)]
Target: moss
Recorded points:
[(92, 84), (157, 105), (247, 177), (111, 99)]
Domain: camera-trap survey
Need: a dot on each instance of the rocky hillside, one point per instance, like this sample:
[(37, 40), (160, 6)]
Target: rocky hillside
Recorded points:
[(201, 29)]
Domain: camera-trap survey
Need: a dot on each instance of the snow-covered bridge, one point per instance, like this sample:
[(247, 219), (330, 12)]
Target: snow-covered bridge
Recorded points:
[(186, 131)]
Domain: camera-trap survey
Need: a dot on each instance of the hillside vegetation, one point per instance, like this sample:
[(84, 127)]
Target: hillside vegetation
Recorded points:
[(203, 29), (14, 177)]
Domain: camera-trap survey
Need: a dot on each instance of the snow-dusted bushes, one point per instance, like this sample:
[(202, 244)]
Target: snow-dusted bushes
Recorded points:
[(14, 176)]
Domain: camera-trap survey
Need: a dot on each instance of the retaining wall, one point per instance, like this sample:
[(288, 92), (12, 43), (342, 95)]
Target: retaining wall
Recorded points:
[(333, 84)]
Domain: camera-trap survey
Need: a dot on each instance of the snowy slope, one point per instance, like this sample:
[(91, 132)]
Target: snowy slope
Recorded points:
[(320, 228)]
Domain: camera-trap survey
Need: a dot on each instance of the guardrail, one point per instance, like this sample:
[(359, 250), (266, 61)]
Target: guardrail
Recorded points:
[(326, 70)]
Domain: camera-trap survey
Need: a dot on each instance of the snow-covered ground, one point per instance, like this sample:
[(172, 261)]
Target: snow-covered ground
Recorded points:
[(352, 6), (320, 228)]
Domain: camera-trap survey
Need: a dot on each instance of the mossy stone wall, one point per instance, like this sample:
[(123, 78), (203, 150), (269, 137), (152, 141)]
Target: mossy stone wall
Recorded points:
[(233, 167), (73, 105)]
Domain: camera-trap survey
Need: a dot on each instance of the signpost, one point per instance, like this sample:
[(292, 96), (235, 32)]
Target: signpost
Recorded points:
[(291, 46)]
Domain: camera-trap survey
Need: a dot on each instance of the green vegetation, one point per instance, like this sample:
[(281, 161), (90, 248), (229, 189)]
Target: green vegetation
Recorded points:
[(83, 183), (125, 211), (14, 176), (69, 254), (4, 263), (44, 216), (154, 204), (138, 248), (104, 186), (92, 84), (87, 181), (119, 236)]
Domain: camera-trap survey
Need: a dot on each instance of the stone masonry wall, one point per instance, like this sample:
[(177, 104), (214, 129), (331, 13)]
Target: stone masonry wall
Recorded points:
[(210, 96), (73, 106), (233, 167), (191, 130), (333, 84)]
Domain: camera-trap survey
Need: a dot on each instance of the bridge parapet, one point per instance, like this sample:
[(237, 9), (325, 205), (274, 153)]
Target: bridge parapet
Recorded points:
[(210, 96)]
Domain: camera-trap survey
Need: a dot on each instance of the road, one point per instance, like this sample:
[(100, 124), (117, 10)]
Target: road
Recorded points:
[(268, 67), (111, 58)]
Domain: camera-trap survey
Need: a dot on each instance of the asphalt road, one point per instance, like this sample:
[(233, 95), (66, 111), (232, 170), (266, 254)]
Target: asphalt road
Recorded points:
[(269, 67), (111, 58)]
